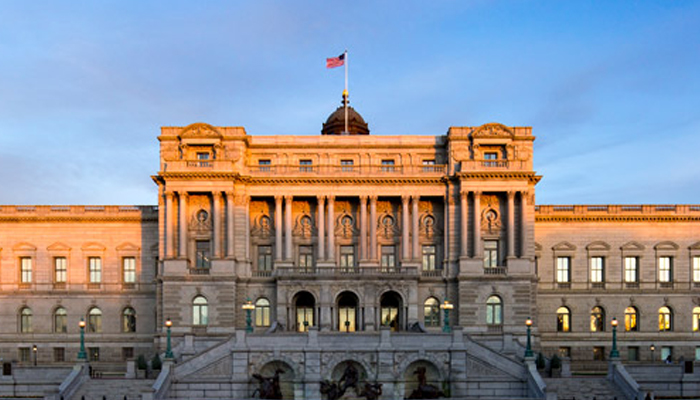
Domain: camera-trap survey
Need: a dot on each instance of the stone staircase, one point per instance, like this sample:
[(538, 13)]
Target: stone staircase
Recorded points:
[(583, 388), (113, 389)]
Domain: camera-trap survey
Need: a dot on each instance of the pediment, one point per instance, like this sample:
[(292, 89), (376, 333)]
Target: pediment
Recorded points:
[(564, 246), (127, 246), (92, 246), (598, 245), (632, 246), (667, 245), (493, 130), (538, 247), (58, 246), (24, 246), (200, 130), (694, 246)]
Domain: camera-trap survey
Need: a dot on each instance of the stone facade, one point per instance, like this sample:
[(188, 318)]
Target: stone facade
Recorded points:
[(345, 244)]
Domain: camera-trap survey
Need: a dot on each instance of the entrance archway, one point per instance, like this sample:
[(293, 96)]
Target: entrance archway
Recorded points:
[(304, 311), (348, 315), (390, 310)]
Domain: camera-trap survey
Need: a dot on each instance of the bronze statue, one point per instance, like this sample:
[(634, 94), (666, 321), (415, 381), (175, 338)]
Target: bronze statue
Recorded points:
[(331, 390), (269, 387), (425, 391), (349, 379), (371, 391)]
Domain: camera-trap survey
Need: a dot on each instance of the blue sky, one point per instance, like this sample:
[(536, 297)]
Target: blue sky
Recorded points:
[(611, 89)]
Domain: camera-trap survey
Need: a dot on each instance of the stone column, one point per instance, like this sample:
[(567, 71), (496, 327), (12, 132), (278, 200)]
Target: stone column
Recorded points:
[(288, 227), (246, 202), (464, 211), (216, 233), (415, 229), (363, 228), (405, 229), (230, 231), (331, 228), (523, 225), (278, 228), (511, 224), (477, 225), (169, 225), (321, 227), (183, 224), (372, 228)]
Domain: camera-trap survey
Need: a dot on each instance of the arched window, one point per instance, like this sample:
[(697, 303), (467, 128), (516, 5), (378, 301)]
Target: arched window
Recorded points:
[(563, 320), (390, 304), (262, 312), (631, 319), (431, 312), (597, 319), (200, 311), (94, 322), (25, 320), (128, 320), (665, 319), (60, 320), (304, 304), (696, 319), (494, 311), (347, 312)]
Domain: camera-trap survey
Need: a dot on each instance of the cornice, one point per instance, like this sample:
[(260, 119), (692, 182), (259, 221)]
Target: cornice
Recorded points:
[(90, 219), (617, 218), (349, 181), (530, 176)]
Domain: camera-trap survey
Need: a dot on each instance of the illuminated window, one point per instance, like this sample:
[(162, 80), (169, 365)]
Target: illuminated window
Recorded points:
[(200, 311), (631, 319), (696, 319), (563, 320), (262, 312), (597, 272), (494, 311), (431, 312), (128, 320), (665, 319), (631, 269), (597, 319), (665, 269), (696, 269)]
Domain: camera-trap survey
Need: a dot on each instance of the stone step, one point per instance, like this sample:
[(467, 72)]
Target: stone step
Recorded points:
[(583, 388), (113, 389)]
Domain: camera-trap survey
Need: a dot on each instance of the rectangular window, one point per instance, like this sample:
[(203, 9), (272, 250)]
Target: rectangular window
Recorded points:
[(597, 273), (633, 354), (665, 270), (563, 270), (697, 354), (631, 269), (95, 267), (59, 269), (26, 269), (59, 354), (490, 253), (94, 353), (127, 353), (388, 260), (306, 258), (388, 166), (347, 165), (24, 354), (202, 254), (696, 268), (347, 258), (491, 156), (129, 268), (265, 258), (429, 166), (305, 166), (667, 354), (599, 353), (429, 258), (565, 352), (203, 156), (264, 165)]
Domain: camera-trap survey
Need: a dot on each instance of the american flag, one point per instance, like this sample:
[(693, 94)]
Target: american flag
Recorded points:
[(335, 61)]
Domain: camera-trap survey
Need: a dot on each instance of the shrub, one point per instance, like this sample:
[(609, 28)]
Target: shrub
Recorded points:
[(141, 362), (156, 364), (555, 362), (539, 361)]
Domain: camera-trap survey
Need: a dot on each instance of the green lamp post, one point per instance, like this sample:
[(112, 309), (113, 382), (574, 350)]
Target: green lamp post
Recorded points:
[(447, 306), (614, 353), (248, 307), (82, 355), (168, 347), (528, 349)]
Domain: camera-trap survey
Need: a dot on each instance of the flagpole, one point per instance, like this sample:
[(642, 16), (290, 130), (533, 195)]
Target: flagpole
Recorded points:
[(345, 92)]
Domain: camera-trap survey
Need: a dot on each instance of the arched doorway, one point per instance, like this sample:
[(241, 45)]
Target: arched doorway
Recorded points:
[(348, 312), (304, 306), (285, 376), (390, 308)]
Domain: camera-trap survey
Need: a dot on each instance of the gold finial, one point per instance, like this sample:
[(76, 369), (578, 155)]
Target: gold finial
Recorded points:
[(345, 93)]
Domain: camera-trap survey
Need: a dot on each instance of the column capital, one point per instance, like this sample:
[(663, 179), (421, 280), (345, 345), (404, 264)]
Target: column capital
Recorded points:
[(241, 199), (279, 198), (230, 194), (373, 198), (464, 194), (477, 193), (169, 193), (415, 197), (321, 199), (182, 194), (288, 198), (511, 194), (331, 199), (405, 198), (216, 194), (363, 198)]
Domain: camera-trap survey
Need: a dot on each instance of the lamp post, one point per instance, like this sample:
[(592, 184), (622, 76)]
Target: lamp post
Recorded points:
[(447, 306), (168, 347), (652, 348), (82, 355), (614, 353), (528, 349), (248, 307), (35, 350)]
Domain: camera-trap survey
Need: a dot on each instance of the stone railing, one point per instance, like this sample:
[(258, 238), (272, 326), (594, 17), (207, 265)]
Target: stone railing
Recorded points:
[(345, 272), (661, 209), (162, 384), (73, 381), (71, 211), (348, 170), (619, 376), (495, 165), (535, 384)]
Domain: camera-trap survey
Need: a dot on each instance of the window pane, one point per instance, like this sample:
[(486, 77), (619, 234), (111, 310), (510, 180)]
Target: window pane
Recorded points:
[(664, 269), (631, 319), (696, 268), (26, 267), (563, 269), (431, 313), (630, 269), (129, 266), (59, 269), (597, 269), (95, 269)]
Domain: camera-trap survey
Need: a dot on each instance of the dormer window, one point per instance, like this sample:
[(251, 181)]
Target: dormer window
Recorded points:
[(305, 166), (203, 156), (264, 165), (388, 165)]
